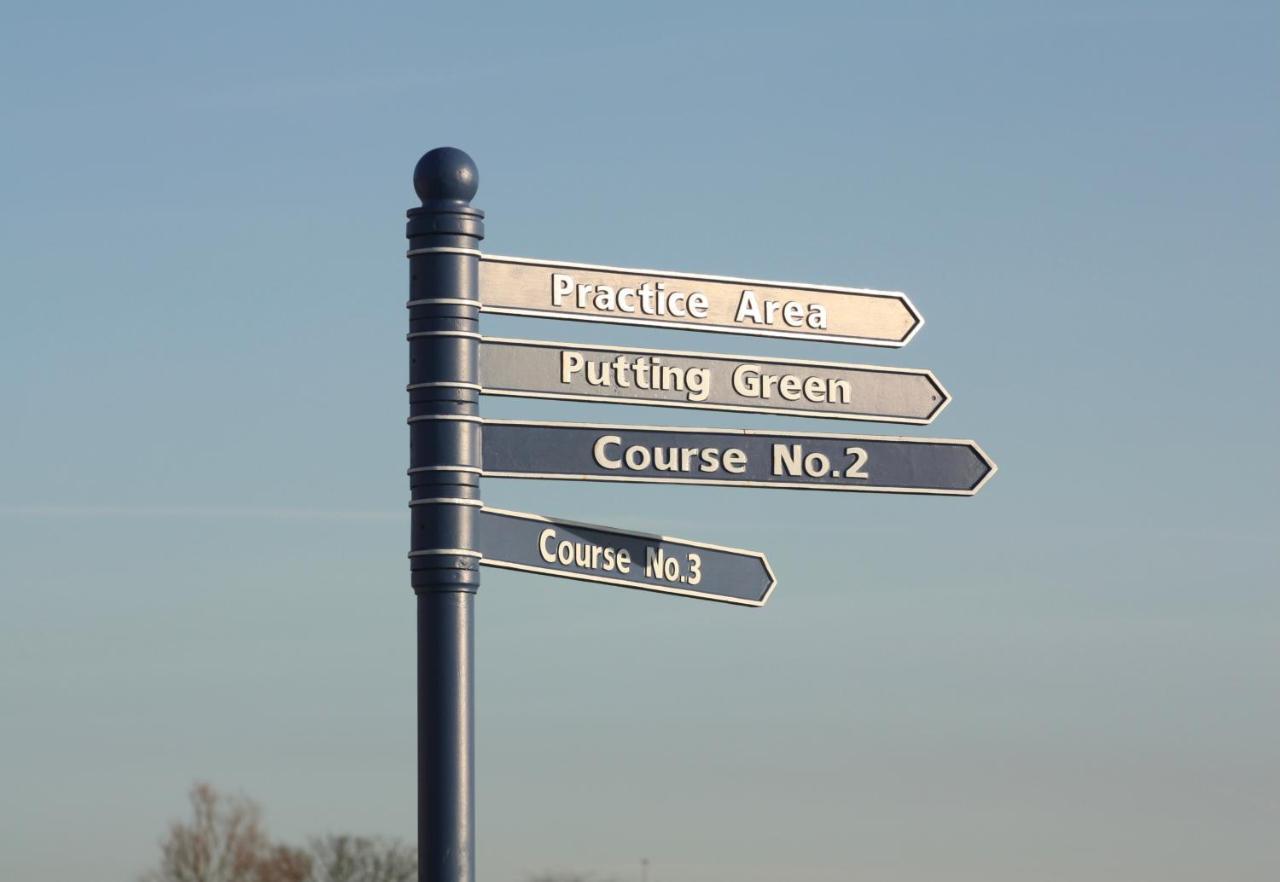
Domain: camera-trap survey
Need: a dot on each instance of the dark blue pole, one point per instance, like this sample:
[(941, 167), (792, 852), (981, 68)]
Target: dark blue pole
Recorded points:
[(444, 481)]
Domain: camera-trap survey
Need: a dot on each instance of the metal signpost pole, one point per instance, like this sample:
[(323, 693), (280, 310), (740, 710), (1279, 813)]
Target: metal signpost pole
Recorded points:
[(444, 480)]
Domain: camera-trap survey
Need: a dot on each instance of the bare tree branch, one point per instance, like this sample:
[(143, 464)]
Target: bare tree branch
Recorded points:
[(225, 842), (345, 858)]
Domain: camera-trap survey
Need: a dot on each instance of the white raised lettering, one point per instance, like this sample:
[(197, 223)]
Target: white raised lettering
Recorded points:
[(748, 308), (746, 380), (605, 299), (793, 314), (839, 391), (666, 459), (698, 305), (816, 465), (638, 458), (815, 389), (698, 381), (570, 364), (560, 286), (646, 300), (787, 459), (547, 554), (789, 387), (600, 454)]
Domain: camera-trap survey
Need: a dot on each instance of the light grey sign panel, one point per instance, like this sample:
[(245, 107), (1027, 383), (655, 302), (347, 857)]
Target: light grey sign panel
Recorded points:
[(620, 375), (733, 457), (586, 292), (587, 552)]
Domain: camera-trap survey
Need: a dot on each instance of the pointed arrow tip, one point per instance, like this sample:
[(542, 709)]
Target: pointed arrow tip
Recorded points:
[(943, 395), (992, 468), (773, 580), (915, 314)]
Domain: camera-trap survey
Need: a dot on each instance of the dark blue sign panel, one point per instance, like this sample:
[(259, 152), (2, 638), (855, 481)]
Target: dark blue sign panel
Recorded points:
[(535, 544), (733, 457)]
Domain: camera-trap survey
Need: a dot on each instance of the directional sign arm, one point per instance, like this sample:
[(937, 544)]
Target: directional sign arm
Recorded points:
[(592, 553), (724, 304), (739, 458), (669, 378)]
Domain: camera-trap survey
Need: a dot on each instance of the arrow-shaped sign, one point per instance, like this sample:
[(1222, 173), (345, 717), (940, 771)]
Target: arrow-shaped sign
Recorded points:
[(620, 375), (519, 286), (733, 457), (535, 544)]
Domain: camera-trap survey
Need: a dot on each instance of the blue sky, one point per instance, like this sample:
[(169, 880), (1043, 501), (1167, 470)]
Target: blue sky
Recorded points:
[(1071, 676)]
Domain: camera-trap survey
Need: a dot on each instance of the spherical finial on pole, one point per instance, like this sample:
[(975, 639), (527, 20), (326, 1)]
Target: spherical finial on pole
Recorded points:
[(446, 174)]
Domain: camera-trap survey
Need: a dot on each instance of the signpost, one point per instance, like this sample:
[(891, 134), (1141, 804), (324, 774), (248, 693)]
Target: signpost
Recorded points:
[(555, 547), (444, 484), (519, 286), (620, 375), (450, 446), (733, 457)]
